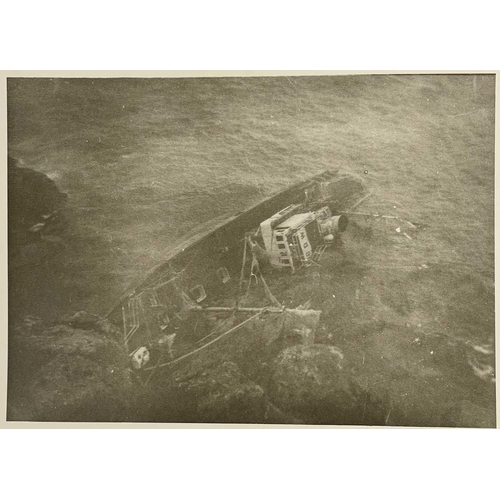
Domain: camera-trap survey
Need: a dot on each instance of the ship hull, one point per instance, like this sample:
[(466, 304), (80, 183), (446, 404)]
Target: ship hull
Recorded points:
[(206, 270)]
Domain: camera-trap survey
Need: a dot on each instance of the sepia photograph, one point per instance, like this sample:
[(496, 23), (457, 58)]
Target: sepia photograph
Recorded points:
[(304, 250)]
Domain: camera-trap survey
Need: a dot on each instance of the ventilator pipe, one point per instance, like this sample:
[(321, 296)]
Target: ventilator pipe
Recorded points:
[(335, 224), (339, 223)]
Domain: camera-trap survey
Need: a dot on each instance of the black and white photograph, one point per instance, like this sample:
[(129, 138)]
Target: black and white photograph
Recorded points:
[(303, 250)]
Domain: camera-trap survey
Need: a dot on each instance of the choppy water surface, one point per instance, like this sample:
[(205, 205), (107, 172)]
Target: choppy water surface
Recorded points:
[(145, 161)]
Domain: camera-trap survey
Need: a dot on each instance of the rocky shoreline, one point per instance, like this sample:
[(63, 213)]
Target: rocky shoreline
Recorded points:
[(391, 349), (78, 370)]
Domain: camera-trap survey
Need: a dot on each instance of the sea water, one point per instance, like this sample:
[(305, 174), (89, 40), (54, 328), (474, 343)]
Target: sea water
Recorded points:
[(146, 161)]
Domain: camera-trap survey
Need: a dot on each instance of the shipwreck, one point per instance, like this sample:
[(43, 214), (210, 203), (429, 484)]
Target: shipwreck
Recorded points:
[(200, 303)]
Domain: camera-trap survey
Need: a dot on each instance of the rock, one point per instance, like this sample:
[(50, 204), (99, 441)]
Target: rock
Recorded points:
[(71, 371), (31, 195), (80, 319), (468, 414), (77, 388), (88, 321), (223, 394), (312, 383), (275, 415), (301, 323), (37, 230), (31, 323)]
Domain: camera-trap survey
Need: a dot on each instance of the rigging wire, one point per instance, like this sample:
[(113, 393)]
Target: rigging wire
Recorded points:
[(204, 346)]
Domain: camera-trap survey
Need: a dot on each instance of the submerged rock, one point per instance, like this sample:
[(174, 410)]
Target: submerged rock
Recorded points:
[(468, 414), (88, 321), (33, 202), (312, 383), (33, 196), (223, 394), (76, 370), (37, 238)]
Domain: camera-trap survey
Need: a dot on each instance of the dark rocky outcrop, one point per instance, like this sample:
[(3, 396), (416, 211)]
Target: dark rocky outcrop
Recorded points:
[(213, 394), (468, 414), (313, 383), (37, 239), (33, 199), (76, 370), (223, 394)]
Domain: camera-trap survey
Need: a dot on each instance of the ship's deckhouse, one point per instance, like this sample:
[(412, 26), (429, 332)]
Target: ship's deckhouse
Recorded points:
[(291, 242), (293, 239)]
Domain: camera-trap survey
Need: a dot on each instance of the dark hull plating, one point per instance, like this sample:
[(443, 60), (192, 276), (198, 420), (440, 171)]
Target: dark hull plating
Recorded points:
[(198, 262)]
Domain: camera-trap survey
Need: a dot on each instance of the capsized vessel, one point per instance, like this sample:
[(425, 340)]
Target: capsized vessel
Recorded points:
[(198, 298)]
